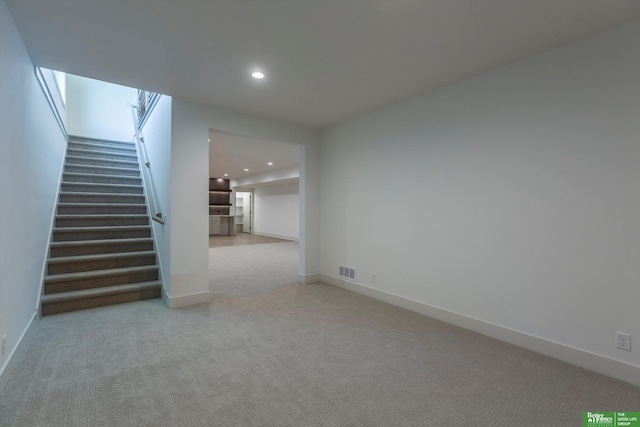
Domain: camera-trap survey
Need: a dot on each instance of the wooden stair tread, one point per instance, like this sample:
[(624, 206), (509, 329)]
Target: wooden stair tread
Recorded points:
[(74, 216), (106, 151), (71, 204), (101, 192), (95, 144), (101, 175), (98, 273), (92, 194), (101, 228), (100, 184), (97, 168), (91, 159), (99, 257), (101, 242), (75, 157), (78, 138), (98, 292)]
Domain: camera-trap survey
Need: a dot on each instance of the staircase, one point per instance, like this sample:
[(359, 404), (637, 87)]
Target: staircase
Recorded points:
[(101, 252)]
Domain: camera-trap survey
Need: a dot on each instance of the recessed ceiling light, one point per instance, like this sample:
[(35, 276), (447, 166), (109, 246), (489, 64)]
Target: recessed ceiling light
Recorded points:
[(209, 139), (270, 163), (257, 75), (226, 174), (246, 170)]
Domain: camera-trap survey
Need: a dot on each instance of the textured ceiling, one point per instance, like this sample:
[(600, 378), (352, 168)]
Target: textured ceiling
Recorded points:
[(325, 61)]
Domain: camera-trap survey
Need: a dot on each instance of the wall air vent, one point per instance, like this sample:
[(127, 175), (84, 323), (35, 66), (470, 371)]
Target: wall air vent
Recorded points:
[(348, 273)]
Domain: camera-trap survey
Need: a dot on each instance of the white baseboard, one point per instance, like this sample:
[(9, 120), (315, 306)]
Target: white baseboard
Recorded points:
[(277, 236), (594, 362), (186, 300), (309, 278), (14, 357), (165, 298)]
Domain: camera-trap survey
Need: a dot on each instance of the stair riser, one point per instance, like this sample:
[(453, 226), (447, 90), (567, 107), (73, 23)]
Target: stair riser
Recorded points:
[(79, 168), (99, 282), (129, 151), (66, 306), (75, 267), (101, 210), (101, 179), (97, 188), (103, 155), (121, 144), (101, 248), (100, 222), (102, 198), (101, 162), (99, 235)]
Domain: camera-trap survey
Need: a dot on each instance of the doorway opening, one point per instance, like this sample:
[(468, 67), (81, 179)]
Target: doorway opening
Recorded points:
[(243, 211), (261, 252)]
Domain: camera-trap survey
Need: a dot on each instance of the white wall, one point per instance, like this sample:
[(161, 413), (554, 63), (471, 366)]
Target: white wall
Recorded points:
[(286, 174), (189, 188), (157, 137), (510, 198), (276, 210), (99, 109), (282, 221), (33, 148)]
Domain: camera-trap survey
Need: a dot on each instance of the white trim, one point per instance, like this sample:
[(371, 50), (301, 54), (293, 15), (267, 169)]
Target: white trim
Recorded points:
[(63, 96), (165, 297), (49, 97), (154, 233), (585, 359), (186, 300), (53, 219), (309, 278), (158, 260), (14, 357), (278, 236)]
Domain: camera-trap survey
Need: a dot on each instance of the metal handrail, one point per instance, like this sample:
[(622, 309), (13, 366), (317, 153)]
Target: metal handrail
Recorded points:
[(146, 103), (145, 164)]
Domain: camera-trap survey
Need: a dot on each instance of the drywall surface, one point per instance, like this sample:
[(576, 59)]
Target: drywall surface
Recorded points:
[(189, 188), (98, 109), (511, 198), (278, 175), (276, 210), (33, 149), (157, 142)]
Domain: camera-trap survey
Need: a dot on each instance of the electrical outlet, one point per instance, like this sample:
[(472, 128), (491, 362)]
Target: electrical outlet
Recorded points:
[(4, 344), (623, 341), (374, 277)]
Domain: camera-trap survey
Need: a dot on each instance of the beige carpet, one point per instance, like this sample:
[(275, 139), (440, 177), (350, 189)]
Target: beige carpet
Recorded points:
[(296, 355), (247, 270)]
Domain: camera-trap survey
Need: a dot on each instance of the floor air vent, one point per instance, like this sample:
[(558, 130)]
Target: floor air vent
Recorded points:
[(347, 272)]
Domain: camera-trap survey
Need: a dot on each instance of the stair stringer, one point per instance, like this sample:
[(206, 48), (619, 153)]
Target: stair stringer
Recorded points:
[(45, 257), (154, 229)]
